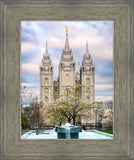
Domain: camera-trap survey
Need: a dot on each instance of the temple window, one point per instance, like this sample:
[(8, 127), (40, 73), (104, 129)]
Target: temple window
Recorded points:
[(46, 81), (46, 90), (67, 79), (87, 81)]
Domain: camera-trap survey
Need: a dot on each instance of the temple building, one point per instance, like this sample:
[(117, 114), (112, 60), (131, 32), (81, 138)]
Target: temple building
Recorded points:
[(51, 90)]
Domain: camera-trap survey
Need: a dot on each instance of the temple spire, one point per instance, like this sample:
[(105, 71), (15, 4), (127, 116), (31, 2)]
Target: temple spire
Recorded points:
[(46, 52), (87, 52), (66, 42)]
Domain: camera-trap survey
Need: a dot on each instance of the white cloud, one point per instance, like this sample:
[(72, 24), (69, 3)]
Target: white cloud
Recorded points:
[(103, 87), (103, 79), (54, 33), (103, 98), (27, 47), (30, 68), (27, 84), (24, 25)]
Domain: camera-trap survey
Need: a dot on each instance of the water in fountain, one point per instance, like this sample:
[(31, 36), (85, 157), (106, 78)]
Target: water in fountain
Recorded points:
[(67, 125), (66, 131), (83, 132), (52, 132)]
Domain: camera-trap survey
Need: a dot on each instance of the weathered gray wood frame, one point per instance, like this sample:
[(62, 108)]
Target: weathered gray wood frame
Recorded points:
[(121, 12)]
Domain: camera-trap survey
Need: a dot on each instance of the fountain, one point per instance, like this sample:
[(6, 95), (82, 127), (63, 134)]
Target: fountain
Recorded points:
[(68, 131)]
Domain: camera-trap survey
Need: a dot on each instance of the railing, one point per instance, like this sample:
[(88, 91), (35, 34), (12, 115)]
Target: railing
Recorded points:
[(84, 125), (91, 125)]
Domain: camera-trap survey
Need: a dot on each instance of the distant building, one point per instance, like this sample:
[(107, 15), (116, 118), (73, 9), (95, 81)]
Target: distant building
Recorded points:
[(68, 76)]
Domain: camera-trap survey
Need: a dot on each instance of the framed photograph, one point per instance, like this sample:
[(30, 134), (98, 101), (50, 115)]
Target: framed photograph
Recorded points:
[(67, 79), (69, 94)]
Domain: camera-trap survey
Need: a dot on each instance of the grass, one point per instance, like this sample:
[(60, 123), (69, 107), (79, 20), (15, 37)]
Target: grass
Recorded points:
[(110, 131)]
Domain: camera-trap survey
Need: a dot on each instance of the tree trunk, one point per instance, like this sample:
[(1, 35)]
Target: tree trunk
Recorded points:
[(60, 122), (69, 120), (74, 120)]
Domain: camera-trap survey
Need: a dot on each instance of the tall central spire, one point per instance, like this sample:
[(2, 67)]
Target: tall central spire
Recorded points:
[(87, 52), (46, 52), (67, 42)]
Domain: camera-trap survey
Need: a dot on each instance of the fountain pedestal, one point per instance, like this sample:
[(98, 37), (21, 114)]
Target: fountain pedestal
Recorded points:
[(68, 132)]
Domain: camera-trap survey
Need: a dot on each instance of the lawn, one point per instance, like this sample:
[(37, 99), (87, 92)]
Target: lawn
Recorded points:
[(110, 131)]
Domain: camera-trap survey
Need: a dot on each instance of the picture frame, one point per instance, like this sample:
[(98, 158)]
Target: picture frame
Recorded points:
[(119, 11)]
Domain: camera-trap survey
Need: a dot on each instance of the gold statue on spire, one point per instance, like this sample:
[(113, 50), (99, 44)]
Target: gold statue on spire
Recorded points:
[(66, 29)]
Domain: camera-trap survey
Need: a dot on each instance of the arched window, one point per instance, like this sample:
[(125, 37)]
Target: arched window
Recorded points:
[(46, 90), (87, 81), (46, 81), (67, 79)]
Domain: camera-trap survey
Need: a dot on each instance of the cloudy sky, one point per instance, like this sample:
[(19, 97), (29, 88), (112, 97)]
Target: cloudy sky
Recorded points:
[(98, 34)]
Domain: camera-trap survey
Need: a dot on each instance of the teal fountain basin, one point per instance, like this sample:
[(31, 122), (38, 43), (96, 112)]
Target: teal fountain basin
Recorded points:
[(68, 131)]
